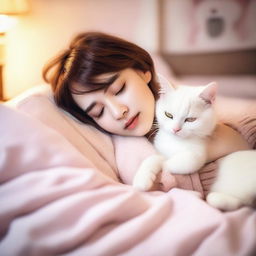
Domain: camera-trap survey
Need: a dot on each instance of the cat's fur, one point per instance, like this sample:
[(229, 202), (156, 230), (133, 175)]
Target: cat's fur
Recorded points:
[(182, 147), (235, 184), (181, 138)]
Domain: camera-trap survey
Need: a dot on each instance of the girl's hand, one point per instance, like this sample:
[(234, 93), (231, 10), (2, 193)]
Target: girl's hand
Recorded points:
[(225, 140)]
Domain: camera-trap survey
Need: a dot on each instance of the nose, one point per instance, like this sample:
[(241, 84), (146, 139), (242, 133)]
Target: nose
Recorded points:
[(176, 129), (117, 110)]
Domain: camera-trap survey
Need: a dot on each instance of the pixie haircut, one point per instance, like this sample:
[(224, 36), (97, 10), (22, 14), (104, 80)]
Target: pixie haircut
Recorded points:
[(90, 55)]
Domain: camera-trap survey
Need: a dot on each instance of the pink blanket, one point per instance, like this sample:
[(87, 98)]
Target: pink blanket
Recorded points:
[(60, 194)]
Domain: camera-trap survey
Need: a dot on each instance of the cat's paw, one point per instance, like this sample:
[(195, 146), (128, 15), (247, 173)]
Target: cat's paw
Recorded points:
[(223, 201), (145, 177), (142, 182)]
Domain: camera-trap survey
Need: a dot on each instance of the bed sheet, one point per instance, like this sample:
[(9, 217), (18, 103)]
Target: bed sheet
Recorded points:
[(60, 194)]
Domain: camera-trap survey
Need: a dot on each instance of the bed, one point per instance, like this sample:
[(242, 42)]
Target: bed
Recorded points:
[(60, 187), (61, 193)]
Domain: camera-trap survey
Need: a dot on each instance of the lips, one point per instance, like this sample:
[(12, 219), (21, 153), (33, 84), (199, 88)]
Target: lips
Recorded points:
[(132, 122)]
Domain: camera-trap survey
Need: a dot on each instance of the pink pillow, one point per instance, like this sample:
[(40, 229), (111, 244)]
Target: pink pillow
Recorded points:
[(29, 145), (91, 143)]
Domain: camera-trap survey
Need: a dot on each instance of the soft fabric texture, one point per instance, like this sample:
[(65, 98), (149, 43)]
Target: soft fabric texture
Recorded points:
[(128, 146), (239, 114), (60, 194)]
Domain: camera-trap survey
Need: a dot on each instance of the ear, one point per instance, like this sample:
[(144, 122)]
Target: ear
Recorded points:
[(165, 85), (209, 93), (147, 76)]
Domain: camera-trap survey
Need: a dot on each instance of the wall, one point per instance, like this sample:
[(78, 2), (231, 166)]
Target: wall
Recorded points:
[(203, 26), (209, 37), (52, 23)]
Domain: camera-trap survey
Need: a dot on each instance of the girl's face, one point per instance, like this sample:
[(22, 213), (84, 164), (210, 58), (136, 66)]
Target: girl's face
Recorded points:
[(125, 107)]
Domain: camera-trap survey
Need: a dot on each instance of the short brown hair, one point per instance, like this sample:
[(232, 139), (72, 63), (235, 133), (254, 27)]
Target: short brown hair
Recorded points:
[(89, 55)]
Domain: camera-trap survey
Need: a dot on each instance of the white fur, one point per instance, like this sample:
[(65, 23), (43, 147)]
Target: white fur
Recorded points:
[(183, 156), (146, 175), (185, 150), (235, 184)]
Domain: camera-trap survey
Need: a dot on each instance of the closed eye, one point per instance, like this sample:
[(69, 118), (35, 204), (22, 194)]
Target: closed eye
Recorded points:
[(169, 115), (190, 119), (121, 89), (100, 114)]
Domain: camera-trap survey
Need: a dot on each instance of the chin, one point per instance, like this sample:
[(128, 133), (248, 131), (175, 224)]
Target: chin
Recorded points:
[(135, 133), (141, 132)]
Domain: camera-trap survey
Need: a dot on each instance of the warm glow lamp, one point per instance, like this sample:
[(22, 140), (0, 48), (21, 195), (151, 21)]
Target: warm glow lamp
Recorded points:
[(8, 9), (13, 7)]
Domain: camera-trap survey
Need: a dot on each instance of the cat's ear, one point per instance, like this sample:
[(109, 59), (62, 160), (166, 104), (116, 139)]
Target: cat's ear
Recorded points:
[(209, 93), (164, 85)]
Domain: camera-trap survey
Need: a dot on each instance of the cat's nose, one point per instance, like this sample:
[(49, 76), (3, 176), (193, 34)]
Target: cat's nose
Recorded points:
[(176, 129)]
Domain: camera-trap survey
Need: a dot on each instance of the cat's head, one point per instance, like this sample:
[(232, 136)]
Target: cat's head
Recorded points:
[(187, 111)]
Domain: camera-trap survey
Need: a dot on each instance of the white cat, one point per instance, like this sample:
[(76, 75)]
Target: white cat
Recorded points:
[(186, 117)]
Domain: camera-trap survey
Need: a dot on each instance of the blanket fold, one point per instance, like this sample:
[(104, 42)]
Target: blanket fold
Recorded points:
[(55, 200)]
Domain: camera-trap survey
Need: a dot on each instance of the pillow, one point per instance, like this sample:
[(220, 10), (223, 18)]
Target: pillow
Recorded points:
[(91, 143), (28, 145)]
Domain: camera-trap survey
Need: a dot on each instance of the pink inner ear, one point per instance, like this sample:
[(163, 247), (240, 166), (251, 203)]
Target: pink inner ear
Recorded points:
[(209, 93)]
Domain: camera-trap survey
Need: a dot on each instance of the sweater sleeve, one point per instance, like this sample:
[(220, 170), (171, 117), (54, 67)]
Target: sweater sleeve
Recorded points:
[(130, 153)]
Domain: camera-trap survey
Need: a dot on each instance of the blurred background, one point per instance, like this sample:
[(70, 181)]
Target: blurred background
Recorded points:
[(192, 41)]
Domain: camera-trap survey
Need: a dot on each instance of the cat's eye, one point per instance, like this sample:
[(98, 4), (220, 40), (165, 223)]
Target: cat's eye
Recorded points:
[(190, 119), (169, 115)]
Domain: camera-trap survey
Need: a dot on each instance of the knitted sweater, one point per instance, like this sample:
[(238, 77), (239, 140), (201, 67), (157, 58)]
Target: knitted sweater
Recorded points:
[(139, 148)]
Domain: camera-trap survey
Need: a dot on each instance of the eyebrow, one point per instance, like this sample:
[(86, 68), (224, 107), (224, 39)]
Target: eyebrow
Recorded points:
[(109, 82)]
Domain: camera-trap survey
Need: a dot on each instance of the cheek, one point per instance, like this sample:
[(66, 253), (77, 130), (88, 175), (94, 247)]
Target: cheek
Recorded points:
[(143, 92), (129, 98), (144, 101), (105, 123), (166, 124), (190, 127), (141, 98)]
